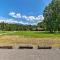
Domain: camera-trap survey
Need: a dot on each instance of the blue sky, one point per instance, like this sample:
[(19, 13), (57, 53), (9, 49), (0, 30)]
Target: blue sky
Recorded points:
[(22, 11)]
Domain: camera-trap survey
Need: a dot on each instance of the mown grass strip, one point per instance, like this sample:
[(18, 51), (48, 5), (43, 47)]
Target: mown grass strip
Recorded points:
[(34, 34)]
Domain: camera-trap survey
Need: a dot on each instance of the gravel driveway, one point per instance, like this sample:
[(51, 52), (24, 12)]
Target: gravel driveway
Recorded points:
[(32, 54)]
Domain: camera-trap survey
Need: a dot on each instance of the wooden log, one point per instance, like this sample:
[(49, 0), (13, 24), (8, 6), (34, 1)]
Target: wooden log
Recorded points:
[(6, 47), (44, 47), (25, 47)]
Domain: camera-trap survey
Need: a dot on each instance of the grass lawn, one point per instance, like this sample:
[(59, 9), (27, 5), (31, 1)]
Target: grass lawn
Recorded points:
[(34, 34), (29, 37)]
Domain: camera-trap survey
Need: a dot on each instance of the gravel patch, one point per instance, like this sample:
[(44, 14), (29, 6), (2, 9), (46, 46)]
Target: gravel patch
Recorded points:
[(32, 54)]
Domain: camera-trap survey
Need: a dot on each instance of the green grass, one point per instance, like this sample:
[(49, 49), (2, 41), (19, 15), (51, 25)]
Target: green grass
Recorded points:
[(32, 37), (35, 34)]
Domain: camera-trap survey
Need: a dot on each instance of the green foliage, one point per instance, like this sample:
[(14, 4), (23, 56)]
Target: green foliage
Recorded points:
[(16, 27), (52, 16), (41, 26)]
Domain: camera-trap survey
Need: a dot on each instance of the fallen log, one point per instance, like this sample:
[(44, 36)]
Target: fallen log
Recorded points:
[(25, 47), (6, 47), (44, 47)]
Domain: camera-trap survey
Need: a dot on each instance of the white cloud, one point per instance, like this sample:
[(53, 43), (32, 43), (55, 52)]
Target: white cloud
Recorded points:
[(15, 15), (36, 19), (39, 17), (26, 19), (10, 21), (31, 17)]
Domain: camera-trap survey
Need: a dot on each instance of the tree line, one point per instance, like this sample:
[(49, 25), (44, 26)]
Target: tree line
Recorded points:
[(18, 27), (51, 14)]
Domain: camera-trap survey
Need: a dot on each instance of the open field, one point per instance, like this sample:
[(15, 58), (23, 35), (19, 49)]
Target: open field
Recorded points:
[(29, 37), (31, 34)]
